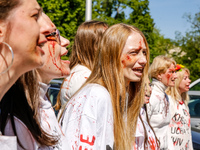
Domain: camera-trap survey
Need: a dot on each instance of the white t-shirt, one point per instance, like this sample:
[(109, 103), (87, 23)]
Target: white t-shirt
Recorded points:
[(179, 128), (140, 134), (87, 120), (73, 82), (158, 112)]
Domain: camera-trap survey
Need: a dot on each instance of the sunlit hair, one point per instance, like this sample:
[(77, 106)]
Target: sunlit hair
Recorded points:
[(86, 42), (160, 65), (85, 46), (108, 72), (6, 6), (174, 92)]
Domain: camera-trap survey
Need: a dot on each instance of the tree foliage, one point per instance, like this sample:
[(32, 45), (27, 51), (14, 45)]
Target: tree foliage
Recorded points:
[(190, 46), (69, 14)]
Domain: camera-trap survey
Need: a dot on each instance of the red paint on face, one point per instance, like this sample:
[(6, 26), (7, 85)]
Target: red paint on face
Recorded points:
[(124, 63), (52, 55), (126, 60), (128, 57), (140, 45), (87, 140)]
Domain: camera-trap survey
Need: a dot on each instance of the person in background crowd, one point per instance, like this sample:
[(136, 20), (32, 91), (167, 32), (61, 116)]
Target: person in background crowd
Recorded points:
[(20, 47), (162, 72), (145, 138), (26, 111), (179, 135), (82, 58), (103, 113)]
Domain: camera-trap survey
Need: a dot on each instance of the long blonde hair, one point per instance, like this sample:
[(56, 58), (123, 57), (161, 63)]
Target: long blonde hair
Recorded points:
[(174, 92), (108, 72)]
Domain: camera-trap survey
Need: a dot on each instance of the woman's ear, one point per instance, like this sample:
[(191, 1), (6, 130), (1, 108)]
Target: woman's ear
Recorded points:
[(159, 77)]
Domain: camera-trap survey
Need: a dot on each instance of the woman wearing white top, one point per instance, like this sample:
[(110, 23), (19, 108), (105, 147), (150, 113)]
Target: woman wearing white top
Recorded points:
[(145, 137), (103, 113), (179, 134), (82, 59), (162, 70), (30, 116)]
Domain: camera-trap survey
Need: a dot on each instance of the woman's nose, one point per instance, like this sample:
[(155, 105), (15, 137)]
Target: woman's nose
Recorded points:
[(142, 60), (64, 42)]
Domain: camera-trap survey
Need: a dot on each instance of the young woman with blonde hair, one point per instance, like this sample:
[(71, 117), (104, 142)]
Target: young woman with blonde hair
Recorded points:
[(82, 59), (162, 72), (180, 117), (103, 113)]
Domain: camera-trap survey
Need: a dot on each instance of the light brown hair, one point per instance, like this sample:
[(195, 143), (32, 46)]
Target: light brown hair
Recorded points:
[(108, 72), (86, 42)]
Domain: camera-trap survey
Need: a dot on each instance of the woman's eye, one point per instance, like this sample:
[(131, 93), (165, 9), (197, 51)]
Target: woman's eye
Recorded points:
[(36, 16), (133, 52), (145, 53)]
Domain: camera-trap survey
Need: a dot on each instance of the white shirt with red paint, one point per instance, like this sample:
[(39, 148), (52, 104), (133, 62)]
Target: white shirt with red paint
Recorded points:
[(73, 82), (48, 120), (140, 134), (87, 120), (158, 112), (179, 128)]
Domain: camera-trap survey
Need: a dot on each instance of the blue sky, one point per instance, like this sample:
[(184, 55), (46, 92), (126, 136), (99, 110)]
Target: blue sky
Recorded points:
[(168, 15)]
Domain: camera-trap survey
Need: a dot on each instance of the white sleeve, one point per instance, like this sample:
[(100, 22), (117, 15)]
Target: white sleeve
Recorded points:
[(153, 101), (72, 84)]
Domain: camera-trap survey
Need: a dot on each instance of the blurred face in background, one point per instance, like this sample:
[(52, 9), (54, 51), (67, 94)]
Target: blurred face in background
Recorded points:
[(148, 91), (184, 84), (55, 48), (168, 78)]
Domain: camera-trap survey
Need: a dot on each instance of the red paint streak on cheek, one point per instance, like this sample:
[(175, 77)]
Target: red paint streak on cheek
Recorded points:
[(168, 77), (124, 63), (52, 55), (128, 57)]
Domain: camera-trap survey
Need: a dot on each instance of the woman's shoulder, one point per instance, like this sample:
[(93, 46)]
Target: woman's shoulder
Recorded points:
[(94, 90), (23, 134), (78, 76), (80, 68)]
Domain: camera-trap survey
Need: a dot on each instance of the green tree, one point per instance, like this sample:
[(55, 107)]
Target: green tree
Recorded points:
[(159, 45), (190, 46), (67, 15)]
